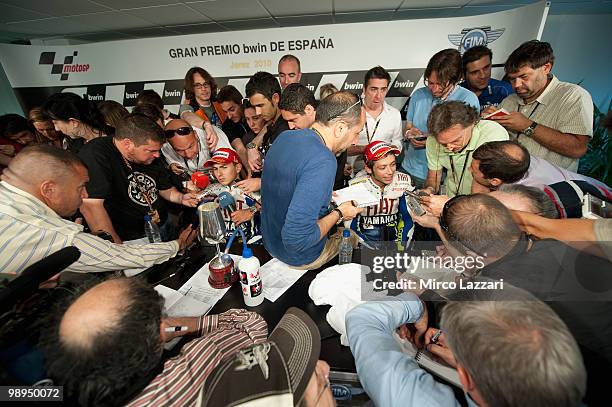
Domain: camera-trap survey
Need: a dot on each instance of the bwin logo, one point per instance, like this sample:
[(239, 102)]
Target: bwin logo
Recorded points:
[(48, 58), (470, 37)]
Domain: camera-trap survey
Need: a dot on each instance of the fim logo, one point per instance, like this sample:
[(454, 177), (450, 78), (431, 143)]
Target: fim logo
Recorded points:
[(48, 58), (470, 37)]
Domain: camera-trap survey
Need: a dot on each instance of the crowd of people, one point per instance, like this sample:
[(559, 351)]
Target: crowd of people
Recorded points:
[(486, 167)]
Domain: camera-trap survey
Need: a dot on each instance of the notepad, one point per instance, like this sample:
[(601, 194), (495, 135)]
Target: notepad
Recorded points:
[(497, 114), (426, 360)]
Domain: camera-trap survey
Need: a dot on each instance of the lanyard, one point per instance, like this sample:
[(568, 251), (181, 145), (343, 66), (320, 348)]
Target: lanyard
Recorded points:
[(373, 132), (452, 163), (534, 109), (530, 114), (197, 157), (197, 162)]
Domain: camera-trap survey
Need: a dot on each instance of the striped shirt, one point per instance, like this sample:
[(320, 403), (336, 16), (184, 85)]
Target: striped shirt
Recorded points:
[(221, 336), (562, 106), (30, 231)]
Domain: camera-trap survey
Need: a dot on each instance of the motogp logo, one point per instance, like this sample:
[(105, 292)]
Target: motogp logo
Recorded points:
[(471, 37), (63, 69)]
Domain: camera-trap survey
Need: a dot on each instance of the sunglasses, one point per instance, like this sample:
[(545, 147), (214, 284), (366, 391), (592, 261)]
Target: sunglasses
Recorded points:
[(181, 131), (358, 102)]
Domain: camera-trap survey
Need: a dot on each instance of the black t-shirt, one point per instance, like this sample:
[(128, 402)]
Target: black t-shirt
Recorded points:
[(274, 130), (234, 130), (122, 189), (74, 145)]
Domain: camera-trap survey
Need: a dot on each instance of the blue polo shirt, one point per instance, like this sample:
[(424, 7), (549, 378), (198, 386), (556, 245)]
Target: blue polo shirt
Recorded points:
[(493, 94), (421, 103), (296, 189)]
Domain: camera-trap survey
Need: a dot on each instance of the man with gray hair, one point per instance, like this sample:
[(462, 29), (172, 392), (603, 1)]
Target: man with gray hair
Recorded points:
[(297, 188), (527, 199), (507, 353), (41, 186)]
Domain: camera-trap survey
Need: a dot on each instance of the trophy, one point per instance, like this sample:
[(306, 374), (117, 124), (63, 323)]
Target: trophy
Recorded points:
[(212, 228)]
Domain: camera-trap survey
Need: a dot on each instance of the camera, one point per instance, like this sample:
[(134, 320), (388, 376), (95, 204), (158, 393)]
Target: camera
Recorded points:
[(595, 208)]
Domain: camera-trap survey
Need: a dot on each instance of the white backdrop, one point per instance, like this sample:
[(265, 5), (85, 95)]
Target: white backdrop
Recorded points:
[(340, 54)]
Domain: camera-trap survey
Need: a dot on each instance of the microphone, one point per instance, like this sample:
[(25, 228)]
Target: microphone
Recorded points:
[(200, 179), (227, 201)]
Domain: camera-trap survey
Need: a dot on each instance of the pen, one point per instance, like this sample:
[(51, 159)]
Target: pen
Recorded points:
[(187, 292), (164, 279), (173, 329), (434, 339)]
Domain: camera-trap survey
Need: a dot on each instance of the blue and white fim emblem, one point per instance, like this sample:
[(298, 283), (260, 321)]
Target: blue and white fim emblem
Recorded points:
[(471, 37)]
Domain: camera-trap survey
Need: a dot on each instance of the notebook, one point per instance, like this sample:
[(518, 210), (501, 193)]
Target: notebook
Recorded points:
[(426, 360)]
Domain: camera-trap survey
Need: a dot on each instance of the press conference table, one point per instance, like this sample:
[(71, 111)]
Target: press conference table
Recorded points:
[(339, 357)]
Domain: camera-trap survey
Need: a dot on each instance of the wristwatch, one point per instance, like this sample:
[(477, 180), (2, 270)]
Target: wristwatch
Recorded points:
[(529, 130), (251, 145), (341, 216)]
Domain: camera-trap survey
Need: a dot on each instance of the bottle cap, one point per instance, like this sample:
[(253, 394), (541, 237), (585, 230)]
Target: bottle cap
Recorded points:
[(246, 253), (346, 233), (147, 218)]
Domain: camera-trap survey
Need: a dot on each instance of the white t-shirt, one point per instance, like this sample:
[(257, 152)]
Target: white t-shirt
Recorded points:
[(386, 127)]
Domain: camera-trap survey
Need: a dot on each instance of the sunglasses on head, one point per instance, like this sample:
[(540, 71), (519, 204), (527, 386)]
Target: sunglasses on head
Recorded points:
[(358, 102), (181, 131)]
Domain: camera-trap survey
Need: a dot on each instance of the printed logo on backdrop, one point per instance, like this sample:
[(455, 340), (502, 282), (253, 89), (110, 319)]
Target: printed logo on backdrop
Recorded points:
[(63, 69), (404, 82), (471, 37)]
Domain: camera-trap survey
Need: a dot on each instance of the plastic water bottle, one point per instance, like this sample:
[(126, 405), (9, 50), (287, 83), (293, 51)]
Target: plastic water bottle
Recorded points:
[(152, 230), (345, 255), (250, 281)]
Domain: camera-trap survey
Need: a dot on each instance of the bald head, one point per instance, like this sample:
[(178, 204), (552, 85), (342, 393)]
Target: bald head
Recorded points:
[(525, 198), (183, 139), (507, 161), (95, 312), (35, 164), (339, 106), (176, 123), (480, 223), (55, 177), (105, 340)]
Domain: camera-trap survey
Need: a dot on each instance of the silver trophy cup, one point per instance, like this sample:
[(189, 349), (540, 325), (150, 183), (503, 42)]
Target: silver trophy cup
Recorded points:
[(212, 225)]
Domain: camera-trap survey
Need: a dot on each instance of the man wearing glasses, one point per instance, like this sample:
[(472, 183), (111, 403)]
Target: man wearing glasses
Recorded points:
[(456, 132), (297, 181), (186, 150), (200, 105), (443, 73)]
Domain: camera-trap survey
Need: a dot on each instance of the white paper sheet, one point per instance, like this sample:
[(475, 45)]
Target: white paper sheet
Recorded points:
[(277, 277), (359, 193), (195, 298)]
